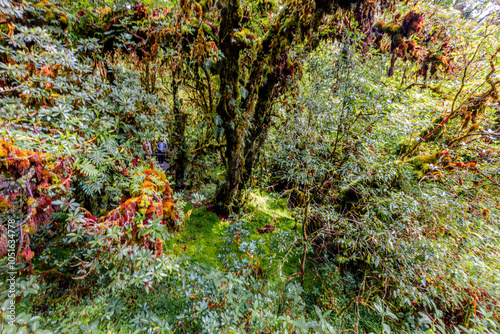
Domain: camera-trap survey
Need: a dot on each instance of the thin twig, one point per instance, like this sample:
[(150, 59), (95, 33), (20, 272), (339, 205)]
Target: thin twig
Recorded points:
[(10, 89)]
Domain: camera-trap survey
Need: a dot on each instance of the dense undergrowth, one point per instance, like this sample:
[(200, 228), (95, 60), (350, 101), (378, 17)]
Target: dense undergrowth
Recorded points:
[(329, 172), (228, 278)]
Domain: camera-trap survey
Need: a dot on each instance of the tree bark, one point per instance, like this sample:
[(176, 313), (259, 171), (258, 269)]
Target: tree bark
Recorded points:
[(181, 160), (246, 127), (261, 123), (230, 96)]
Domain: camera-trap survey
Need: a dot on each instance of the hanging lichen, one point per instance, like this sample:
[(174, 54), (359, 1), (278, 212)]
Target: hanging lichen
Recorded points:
[(402, 47)]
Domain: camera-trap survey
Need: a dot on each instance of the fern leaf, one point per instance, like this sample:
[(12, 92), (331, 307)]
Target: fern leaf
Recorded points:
[(87, 168)]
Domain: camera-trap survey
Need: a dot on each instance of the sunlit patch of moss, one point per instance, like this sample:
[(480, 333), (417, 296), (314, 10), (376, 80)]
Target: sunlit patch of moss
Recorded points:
[(263, 209), (200, 238), (422, 160), (270, 206)]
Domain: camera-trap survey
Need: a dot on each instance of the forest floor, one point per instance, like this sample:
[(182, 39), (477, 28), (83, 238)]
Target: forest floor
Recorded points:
[(201, 238)]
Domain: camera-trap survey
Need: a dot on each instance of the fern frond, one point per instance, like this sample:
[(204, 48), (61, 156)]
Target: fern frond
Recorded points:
[(87, 168), (110, 146)]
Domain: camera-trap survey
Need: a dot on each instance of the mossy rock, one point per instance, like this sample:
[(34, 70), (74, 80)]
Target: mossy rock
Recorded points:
[(422, 160)]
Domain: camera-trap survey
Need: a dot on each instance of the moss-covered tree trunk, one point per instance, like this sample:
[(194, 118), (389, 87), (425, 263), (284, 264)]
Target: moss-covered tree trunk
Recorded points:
[(227, 107), (246, 120), (258, 133), (181, 159)]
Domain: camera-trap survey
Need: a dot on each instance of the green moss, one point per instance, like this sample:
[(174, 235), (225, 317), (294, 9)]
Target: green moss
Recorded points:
[(42, 4), (379, 24), (290, 23), (50, 16), (208, 30), (422, 160), (265, 209), (422, 163), (63, 19), (268, 206), (201, 238), (391, 28), (473, 127), (244, 37), (205, 4), (239, 13)]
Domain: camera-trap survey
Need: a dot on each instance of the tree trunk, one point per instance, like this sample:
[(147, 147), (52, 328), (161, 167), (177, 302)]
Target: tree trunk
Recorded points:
[(181, 159), (261, 123), (246, 121), (232, 118)]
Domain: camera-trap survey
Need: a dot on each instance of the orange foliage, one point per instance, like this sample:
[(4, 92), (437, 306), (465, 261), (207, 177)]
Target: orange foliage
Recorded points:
[(159, 205), (37, 172)]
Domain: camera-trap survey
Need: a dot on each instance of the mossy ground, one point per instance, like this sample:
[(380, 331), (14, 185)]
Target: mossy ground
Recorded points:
[(202, 236)]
